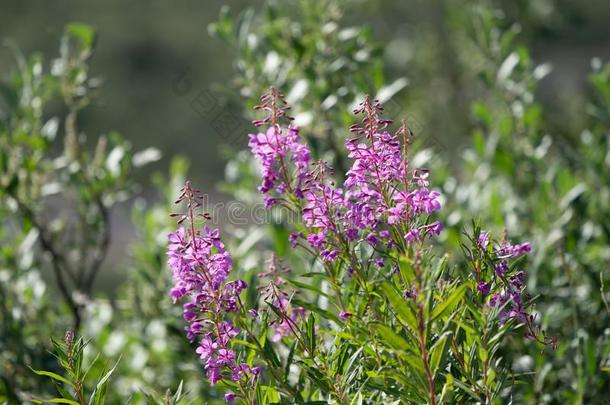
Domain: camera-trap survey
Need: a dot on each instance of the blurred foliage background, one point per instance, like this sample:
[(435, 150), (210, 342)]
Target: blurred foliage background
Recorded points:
[(144, 47), (509, 101)]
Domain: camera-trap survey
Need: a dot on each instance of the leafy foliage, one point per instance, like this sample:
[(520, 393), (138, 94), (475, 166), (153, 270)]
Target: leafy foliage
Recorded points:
[(72, 385), (517, 173)]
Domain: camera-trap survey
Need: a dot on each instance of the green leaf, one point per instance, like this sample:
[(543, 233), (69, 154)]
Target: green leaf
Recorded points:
[(482, 113), (399, 304), (290, 358), (258, 393), (178, 393), (438, 351), (83, 32), (311, 333), (271, 393), (64, 392), (53, 376), (314, 308), (466, 389), (340, 356), (318, 378), (91, 364), (314, 274), (98, 395), (56, 401), (305, 286), (416, 364), (406, 269), (280, 239), (393, 339), (244, 343), (270, 355), (413, 383), (450, 302)]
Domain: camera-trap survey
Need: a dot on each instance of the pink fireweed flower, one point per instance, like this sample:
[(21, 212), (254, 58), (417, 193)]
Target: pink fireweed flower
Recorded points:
[(424, 200), (412, 236), (501, 268), (505, 287), (293, 239), (206, 348), (433, 229), (375, 163), (344, 315), (397, 214), (245, 372), (200, 268), (511, 306), (317, 240), (421, 177), (275, 149), (285, 327), (483, 240), (323, 202), (484, 288), (328, 255), (379, 192), (521, 249)]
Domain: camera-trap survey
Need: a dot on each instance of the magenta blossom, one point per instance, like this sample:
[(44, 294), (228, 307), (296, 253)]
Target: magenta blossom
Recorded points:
[(200, 268)]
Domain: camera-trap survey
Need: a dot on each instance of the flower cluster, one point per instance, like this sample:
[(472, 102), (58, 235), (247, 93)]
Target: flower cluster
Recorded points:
[(276, 149), (504, 285), (274, 294), (510, 296), (381, 190), (200, 267), (381, 202)]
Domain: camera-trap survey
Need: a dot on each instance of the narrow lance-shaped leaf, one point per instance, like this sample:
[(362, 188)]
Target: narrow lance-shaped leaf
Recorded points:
[(390, 337), (400, 305), (53, 376), (311, 334), (447, 305)]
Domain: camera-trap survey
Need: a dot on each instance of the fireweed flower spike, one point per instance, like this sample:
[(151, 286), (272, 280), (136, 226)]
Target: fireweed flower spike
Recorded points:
[(278, 147), (381, 203), (274, 293), (379, 192), (504, 287), (200, 268), (383, 198)]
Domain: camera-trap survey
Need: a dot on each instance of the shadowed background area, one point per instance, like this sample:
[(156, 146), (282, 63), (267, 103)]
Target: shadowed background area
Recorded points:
[(144, 47)]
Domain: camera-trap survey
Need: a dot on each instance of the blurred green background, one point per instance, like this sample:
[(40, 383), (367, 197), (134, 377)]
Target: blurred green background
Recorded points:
[(144, 47)]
